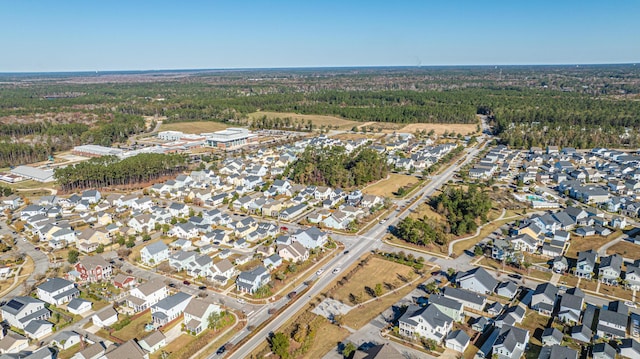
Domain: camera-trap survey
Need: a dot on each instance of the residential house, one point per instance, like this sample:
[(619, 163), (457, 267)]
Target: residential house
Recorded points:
[(169, 308), (272, 262), (153, 342), (105, 317), (93, 268), (511, 342), (629, 348), (586, 264), (19, 311), (603, 351), (123, 281), (66, 339), (571, 305), (507, 289), (79, 306), (452, 308), (426, 322), (154, 253), (468, 299), (295, 252), (544, 298), (477, 280), (146, 295), (37, 329), (311, 237), (457, 340), (222, 271), (610, 269), (632, 275), (556, 351), (250, 281), (551, 336), (196, 315), (129, 350), (612, 324), (57, 291)]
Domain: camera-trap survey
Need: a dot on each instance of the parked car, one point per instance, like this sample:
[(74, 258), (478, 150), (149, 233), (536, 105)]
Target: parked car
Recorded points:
[(336, 271), (221, 350), (186, 282), (320, 271), (292, 294), (630, 304), (202, 287)]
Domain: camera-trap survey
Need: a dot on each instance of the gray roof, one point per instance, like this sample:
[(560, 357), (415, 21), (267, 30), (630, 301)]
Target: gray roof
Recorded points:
[(552, 333), (172, 301), (481, 275), (510, 336), (464, 295), (75, 303), (615, 318), (557, 352), (154, 338), (571, 302), (156, 247), (54, 284), (459, 337), (252, 275), (547, 289), (581, 332), (614, 261), (15, 305), (441, 300), (603, 351), (35, 325)]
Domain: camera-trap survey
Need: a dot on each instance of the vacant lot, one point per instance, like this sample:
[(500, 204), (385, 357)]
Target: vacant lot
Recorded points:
[(317, 120), (625, 249), (440, 128), (194, 127), (579, 244), (365, 278), (388, 187), (135, 329), (177, 344)]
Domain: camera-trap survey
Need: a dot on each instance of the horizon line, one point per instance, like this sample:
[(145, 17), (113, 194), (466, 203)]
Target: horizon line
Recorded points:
[(316, 67)]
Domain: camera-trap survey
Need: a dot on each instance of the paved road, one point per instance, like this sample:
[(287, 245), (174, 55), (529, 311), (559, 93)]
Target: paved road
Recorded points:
[(40, 260), (357, 246)]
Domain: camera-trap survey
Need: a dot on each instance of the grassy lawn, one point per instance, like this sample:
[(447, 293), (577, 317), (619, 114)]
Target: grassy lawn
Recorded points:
[(359, 316), (535, 324), (31, 184), (388, 187), (618, 291), (579, 244), (135, 329), (66, 354), (588, 284), (625, 249), (365, 278), (180, 342), (469, 243), (194, 127), (424, 249), (496, 265), (317, 120)]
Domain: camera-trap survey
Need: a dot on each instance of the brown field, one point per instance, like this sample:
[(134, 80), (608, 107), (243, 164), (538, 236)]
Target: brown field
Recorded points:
[(440, 128), (376, 271), (317, 120), (388, 187), (579, 244), (194, 127), (625, 249), (356, 136), (180, 342), (358, 317)]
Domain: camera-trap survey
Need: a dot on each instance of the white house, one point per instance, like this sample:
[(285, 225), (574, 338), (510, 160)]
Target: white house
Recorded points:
[(196, 315), (147, 294), (154, 253), (105, 318), (57, 291), (19, 311)]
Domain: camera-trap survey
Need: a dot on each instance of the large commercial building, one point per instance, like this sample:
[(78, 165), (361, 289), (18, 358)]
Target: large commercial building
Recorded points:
[(96, 151), (229, 138), (33, 173)]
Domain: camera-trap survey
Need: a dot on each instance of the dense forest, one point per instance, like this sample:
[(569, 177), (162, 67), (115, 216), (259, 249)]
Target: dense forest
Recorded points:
[(110, 171), (335, 167), (462, 209), (30, 142), (529, 105)]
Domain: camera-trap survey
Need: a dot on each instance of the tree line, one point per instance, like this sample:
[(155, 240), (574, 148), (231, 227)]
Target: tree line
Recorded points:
[(335, 167), (110, 171), (462, 208)]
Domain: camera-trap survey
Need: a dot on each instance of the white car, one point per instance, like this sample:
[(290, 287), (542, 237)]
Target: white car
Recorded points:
[(630, 304), (240, 300), (320, 271), (336, 271)]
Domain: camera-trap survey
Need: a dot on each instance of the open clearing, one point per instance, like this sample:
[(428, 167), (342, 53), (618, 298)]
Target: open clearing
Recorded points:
[(440, 128), (194, 127), (625, 249), (579, 244), (388, 187), (376, 271), (317, 120)]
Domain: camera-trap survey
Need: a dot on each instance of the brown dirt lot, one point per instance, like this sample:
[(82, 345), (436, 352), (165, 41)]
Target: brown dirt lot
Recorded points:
[(579, 244), (387, 187), (358, 317), (376, 271), (440, 128), (194, 127), (317, 120), (625, 249)]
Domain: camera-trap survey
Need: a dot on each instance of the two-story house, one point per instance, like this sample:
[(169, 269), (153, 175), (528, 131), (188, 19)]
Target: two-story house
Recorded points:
[(20, 311), (427, 322), (169, 308), (610, 269), (250, 281), (544, 298), (511, 342), (196, 315), (154, 253), (295, 252), (146, 295), (93, 269), (57, 291), (477, 280), (586, 264)]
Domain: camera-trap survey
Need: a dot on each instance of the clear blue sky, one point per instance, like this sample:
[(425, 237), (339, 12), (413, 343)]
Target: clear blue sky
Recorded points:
[(92, 35)]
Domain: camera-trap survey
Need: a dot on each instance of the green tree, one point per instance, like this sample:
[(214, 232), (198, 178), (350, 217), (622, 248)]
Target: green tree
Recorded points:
[(348, 350), (72, 256), (100, 248), (280, 345), (378, 289)]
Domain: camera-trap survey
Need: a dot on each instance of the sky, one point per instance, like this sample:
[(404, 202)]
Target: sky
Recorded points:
[(69, 35)]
